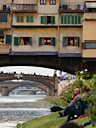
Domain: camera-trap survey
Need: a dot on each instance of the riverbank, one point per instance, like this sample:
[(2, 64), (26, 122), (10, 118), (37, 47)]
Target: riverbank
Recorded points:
[(50, 121)]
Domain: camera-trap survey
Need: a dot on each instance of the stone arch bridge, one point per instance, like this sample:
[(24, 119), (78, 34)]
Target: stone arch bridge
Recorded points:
[(46, 83)]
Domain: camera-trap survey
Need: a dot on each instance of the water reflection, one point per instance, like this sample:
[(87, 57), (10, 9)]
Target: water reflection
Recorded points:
[(15, 109)]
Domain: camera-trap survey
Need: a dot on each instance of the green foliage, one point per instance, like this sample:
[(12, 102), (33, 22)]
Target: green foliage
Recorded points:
[(84, 74), (92, 99)]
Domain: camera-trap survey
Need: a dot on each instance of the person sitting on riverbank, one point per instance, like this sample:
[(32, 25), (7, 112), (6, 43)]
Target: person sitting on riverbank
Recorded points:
[(75, 108)]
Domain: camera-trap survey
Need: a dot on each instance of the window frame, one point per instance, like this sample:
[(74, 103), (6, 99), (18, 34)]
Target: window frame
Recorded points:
[(3, 39), (22, 41), (20, 19), (47, 41), (71, 41), (90, 45), (47, 19), (42, 2), (52, 2), (71, 19), (29, 19)]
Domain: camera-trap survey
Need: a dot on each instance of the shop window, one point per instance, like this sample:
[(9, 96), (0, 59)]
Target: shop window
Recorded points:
[(42, 2), (71, 41), (47, 41), (52, 2)]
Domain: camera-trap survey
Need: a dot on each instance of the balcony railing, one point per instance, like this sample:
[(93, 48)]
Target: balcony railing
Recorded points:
[(71, 7), (24, 7)]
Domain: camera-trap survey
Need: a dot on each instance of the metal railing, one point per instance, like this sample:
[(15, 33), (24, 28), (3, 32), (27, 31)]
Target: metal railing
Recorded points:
[(23, 7)]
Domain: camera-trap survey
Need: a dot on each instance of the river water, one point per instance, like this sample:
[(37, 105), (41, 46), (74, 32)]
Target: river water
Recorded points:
[(16, 109)]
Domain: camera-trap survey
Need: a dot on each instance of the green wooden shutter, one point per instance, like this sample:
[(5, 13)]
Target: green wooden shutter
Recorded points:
[(61, 19), (65, 19), (53, 41), (43, 19), (22, 19), (3, 17), (64, 39), (79, 20), (53, 19), (31, 18), (30, 40), (16, 41), (8, 39), (39, 41), (72, 19), (76, 19), (17, 19), (68, 19), (77, 41), (27, 19)]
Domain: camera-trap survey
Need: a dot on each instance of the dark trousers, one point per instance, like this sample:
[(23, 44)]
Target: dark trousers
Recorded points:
[(70, 111)]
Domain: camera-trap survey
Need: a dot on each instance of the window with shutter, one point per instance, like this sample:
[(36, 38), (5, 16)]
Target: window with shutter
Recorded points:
[(30, 40), (20, 19), (76, 19), (43, 19), (16, 41), (68, 19), (77, 41), (72, 19), (65, 19), (53, 19), (79, 20), (53, 41), (8, 39), (47, 19), (39, 41), (62, 20), (29, 19), (64, 41), (3, 17)]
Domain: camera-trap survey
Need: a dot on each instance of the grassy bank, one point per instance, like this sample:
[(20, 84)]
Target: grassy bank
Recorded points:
[(50, 121)]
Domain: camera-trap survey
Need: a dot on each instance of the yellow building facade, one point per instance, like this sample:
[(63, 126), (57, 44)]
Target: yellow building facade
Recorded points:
[(48, 27)]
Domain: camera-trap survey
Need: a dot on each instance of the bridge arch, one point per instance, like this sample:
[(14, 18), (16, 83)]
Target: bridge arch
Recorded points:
[(45, 88), (50, 82)]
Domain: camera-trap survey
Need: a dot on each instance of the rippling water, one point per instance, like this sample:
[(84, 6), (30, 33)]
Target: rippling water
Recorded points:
[(17, 109)]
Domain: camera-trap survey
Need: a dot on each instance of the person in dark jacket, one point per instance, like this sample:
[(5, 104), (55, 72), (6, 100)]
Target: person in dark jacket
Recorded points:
[(75, 108)]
